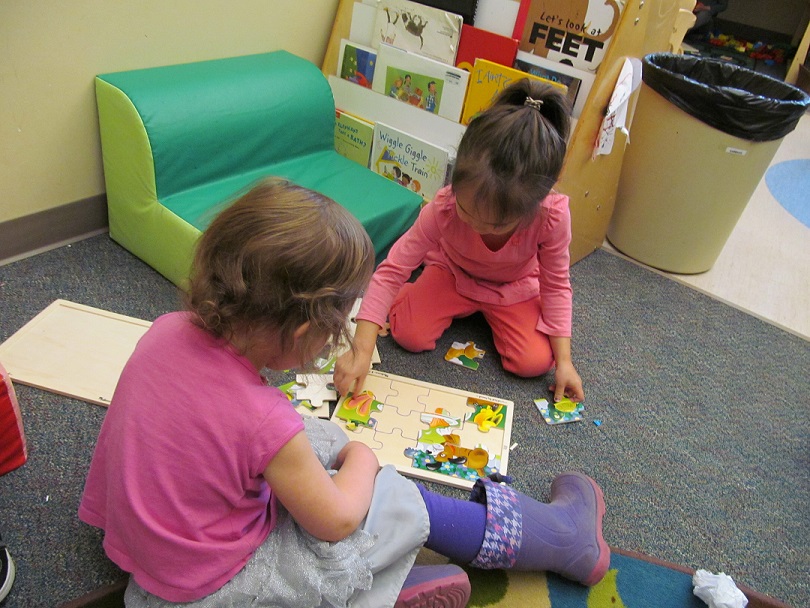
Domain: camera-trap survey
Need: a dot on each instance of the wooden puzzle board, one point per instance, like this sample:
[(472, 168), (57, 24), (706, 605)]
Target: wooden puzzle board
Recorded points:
[(73, 350), (401, 433)]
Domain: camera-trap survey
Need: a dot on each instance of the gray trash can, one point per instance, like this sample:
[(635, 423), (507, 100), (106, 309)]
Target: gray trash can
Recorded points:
[(703, 134)]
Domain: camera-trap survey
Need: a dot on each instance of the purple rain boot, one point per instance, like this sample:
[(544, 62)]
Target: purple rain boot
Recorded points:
[(445, 586), (563, 536)]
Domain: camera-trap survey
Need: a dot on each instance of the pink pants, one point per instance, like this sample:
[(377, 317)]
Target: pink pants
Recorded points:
[(423, 310)]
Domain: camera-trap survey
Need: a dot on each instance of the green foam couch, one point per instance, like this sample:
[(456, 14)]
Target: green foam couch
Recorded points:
[(180, 142)]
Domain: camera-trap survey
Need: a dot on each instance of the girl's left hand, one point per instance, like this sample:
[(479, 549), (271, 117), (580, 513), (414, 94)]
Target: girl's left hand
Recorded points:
[(567, 383)]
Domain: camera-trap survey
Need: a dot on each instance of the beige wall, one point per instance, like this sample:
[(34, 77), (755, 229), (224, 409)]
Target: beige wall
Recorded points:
[(50, 52), (781, 16)]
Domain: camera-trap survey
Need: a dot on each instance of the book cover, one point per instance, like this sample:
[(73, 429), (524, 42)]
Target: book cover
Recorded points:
[(418, 28), (576, 33), (361, 29), (422, 82), (476, 43), (375, 108), (356, 63), (487, 79), (465, 8), (408, 160), (579, 82), (353, 137), (497, 16)]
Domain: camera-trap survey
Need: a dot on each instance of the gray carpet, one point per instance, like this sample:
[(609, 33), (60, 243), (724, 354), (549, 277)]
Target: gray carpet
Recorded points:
[(702, 449)]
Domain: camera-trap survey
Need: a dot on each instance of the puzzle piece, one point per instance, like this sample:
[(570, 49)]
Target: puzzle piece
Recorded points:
[(303, 407), (356, 410), (406, 400), (454, 404), (395, 441), (561, 412), (465, 354), (317, 388), (486, 415)]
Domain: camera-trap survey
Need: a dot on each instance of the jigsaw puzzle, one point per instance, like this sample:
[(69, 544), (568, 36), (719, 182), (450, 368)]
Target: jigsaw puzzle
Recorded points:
[(429, 431)]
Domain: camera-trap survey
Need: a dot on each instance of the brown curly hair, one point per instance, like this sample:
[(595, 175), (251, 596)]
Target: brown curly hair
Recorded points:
[(281, 255)]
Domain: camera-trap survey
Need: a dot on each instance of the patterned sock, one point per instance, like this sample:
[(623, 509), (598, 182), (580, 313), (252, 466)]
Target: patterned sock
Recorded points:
[(456, 526)]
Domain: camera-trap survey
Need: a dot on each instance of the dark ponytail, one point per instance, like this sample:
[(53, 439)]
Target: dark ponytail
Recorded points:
[(513, 152)]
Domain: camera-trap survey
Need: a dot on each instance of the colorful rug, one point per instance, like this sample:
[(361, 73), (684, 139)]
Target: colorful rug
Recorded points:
[(633, 581)]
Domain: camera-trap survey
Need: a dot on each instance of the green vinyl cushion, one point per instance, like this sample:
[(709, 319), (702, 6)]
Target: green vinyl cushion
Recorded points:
[(180, 142)]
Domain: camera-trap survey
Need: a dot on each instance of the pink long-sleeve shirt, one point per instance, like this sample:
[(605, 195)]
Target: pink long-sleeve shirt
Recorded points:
[(534, 261)]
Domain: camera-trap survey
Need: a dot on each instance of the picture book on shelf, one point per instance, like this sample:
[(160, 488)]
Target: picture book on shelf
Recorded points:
[(576, 32), (356, 63), (476, 43), (579, 82), (487, 79), (497, 16), (465, 8), (375, 108), (418, 28), (408, 160), (353, 137), (361, 29), (420, 81)]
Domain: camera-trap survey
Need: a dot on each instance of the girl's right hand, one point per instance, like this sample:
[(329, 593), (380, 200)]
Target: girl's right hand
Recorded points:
[(353, 366)]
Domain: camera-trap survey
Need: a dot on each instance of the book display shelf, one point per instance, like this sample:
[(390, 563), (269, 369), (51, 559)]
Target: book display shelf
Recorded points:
[(591, 182)]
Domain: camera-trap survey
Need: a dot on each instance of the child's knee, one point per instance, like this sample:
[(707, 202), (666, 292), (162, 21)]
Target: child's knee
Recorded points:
[(411, 338), (528, 365)]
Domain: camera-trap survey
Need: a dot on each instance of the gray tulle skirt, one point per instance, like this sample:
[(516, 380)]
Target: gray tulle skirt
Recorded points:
[(293, 569)]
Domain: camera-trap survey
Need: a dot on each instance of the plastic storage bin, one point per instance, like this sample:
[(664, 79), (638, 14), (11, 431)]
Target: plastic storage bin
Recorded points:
[(703, 134)]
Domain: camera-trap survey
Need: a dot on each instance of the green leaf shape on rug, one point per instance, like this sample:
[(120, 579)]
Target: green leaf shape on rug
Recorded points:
[(605, 594), (488, 587), (505, 589)]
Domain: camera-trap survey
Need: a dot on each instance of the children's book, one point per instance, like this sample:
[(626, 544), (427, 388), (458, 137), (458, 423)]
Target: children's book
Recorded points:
[(577, 33), (487, 79), (429, 431), (476, 43), (465, 8), (408, 160), (375, 108), (422, 82), (418, 28), (361, 29), (497, 16), (579, 82), (356, 63), (353, 137)]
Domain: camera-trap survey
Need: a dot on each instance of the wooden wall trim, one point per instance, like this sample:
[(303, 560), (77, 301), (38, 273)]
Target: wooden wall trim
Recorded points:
[(52, 227)]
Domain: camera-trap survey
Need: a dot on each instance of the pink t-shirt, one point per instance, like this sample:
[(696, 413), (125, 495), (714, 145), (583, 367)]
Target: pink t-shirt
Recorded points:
[(535, 261), (176, 478)]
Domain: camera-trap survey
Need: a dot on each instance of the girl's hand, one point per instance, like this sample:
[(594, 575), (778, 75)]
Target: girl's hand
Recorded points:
[(567, 383), (352, 366)]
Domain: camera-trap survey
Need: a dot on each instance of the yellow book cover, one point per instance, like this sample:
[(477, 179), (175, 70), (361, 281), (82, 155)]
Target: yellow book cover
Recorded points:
[(487, 79), (353, 137)]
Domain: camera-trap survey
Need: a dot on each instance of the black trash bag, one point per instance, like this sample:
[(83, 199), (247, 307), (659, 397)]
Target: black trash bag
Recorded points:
[(733, 99)]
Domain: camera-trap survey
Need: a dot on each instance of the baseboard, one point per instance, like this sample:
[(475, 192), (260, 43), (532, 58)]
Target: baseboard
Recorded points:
[(52, 227)]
